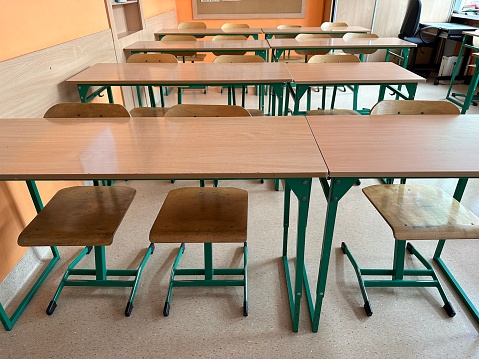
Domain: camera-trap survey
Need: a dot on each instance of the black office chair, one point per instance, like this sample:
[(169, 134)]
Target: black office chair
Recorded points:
[(410, 31)]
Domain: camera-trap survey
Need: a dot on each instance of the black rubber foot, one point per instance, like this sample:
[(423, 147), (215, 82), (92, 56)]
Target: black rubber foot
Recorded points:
[(166, 309), (368, 309), (90, 248), (449, 309), (262, 181), (172, 181), (409, 247), (51, 307), (358, 182), (152, 248), (343, 247), (245, 309), (129, 308)]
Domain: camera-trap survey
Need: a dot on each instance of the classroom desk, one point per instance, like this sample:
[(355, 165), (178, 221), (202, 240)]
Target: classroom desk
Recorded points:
[(165, 148), (384, 74), (259, 47), (269, 32), (254, 32), (388, 43), (424, 146), (164, 74)]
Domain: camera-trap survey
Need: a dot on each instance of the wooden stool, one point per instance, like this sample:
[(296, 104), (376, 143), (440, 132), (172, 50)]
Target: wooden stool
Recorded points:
[(85, 216), (415, 212), (204, 215)]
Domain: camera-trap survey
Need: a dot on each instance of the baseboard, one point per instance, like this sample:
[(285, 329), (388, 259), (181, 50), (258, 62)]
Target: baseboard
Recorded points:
[(23, 276)]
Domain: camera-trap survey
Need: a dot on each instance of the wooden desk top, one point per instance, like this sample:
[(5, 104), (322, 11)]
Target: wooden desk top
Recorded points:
[(182, 74), (198, 46), (314, 30), (209, 32), (399, 146), (161, 148), (339, 43), (351, 73)]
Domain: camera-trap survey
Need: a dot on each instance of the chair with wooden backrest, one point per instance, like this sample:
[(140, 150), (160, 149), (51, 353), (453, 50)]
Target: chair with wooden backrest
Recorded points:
[(332, 112), (361, 52), (228, 26), (336, 58), (287, 54), (186, 25), (152, 58), (414, 107), (86, 216), (221, 38), (231, 89), (204, 215), (148, 111), (414, 212), (330, 25), (309, 37), (184, 55)]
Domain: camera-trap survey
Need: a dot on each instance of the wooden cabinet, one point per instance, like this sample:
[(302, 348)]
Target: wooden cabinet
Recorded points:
[(125, 18)]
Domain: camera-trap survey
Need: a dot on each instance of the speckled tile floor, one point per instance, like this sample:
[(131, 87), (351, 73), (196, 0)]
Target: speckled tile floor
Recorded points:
[(208, 323)]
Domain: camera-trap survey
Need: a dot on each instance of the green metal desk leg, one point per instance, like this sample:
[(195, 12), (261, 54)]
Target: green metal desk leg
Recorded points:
[(461, 185), (406, 52), (470, 90), (337, 189), (456, 69), (411, 91), (300, 91), (9, 322), (302, 189)]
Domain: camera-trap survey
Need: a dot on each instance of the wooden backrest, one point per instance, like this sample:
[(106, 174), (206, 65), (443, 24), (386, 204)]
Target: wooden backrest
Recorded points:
[(78, 109), (228, 26), (139, 58), (148, 111), (218, 38), (325, 59), (329, 25), (222, 59), (414, 107), (335, 111), (350, 36), (284, 27), (193, 110), (167, 38), (308, 37), (191, 25)]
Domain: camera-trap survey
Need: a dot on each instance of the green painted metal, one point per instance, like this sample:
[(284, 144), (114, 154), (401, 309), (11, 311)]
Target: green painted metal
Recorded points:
[(208, 272), (101, 274), (398, 261), (9, 322), (302, 189), (337, 189), (458, 193)]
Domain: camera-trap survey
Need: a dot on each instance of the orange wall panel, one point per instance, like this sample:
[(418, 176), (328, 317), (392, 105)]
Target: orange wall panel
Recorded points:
[(313, 16), (156, 7), (28, 26)]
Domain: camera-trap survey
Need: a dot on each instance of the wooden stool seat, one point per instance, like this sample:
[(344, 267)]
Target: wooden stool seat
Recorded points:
[(255, 112), (149, 111), (79, 216), (202, 215), (422, 212)]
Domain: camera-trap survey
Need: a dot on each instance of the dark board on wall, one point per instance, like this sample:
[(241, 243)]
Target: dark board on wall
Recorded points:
[(231, 9)]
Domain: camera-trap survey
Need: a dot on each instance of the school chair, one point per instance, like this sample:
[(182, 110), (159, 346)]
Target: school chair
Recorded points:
[(414, 212), (86, 216), (230, 59), (334, 58), (151, 58), (204, 215)]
